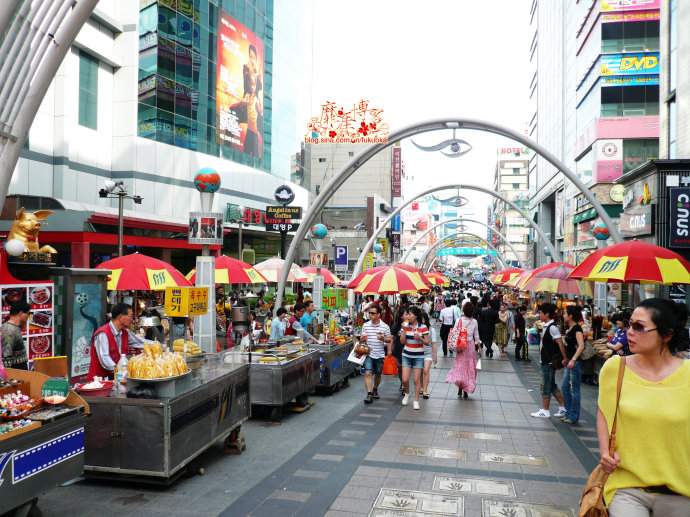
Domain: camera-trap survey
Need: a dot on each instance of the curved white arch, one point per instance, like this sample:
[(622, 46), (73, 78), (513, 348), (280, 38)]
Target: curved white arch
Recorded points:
[(441, 243)]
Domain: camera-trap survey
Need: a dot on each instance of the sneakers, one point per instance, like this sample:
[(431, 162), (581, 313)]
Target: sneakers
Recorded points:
[(406, 399), (560, 412), (542, 413), (375, 393), (415, 404), (369, 399)]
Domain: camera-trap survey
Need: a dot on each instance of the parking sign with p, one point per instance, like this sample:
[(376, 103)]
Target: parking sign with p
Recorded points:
[(341, 258)]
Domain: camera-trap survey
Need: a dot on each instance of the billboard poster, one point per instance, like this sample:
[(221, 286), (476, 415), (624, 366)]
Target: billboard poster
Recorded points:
[(205, 228), (679, 222), (239, 87), (87, 314), (38, 333), (397, 172), (629, 5), (638, 63)]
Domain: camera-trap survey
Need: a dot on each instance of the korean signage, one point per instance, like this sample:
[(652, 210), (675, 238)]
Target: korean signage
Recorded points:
[(466, 251), (629, 5), (282, 227), (284, 212), (627, 80), (631, 16), (186, 301), (368, 261), (679, 222), (341, 258), (384, 245), (395, 223), (630, 64), (239, 87), (636, 221), (334, 299), (250, 215), (395, 242), (397, 172), (609, 159), (38, 332), (205, 228)]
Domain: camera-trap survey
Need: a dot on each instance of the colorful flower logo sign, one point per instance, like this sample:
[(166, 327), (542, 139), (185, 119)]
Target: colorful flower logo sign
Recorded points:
[(361, 124)]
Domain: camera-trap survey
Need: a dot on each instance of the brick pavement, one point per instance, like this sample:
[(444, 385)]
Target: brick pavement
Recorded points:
[(344, 458)]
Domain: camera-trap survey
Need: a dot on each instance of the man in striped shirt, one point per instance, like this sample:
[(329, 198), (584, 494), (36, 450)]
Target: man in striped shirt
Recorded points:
[(413, 335), (377, 335)]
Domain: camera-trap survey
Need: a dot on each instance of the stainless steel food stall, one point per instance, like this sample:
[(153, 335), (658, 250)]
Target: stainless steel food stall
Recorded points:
[(334, 368), (155, 439), (279, 379)]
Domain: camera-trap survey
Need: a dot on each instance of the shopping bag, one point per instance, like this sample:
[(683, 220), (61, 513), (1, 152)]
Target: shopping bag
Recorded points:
[(479, 365), (462, 339), (356, 358), (390, 366), (457, 338)]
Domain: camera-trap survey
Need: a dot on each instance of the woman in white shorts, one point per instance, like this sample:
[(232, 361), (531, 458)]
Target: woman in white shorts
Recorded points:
[(429, 355)]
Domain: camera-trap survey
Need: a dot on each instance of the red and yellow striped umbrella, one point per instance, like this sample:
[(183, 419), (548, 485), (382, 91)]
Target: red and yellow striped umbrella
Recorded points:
[(553, 278), (328, 277), (137, 272), (356, 280), (520, 279), (501, 277), (232, 271), (271, 269), (436, 278), (393, 281), (634, 262)]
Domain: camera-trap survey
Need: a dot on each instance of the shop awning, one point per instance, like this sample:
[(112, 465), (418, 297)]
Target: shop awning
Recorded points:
[(611, 210)]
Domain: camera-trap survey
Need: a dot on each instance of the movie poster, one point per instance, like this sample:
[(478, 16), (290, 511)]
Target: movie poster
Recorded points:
[(239, 87)]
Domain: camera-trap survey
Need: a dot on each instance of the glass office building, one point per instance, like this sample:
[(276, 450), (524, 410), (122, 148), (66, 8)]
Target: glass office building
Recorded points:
[(212, 79)]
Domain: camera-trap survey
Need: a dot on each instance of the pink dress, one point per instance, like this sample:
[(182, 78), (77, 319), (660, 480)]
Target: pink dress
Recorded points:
[(464, 373)]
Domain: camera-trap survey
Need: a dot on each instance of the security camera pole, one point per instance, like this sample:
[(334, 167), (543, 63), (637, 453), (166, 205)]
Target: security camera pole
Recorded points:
[(121, 194)]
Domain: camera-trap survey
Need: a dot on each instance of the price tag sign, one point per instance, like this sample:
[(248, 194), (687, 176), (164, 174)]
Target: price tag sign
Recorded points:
[(186, 301)]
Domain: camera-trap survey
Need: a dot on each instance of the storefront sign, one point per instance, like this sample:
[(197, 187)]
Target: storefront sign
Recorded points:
[(384, 245), (630, 64), (465, 251), (397, 172), (282, 227), (636, 221), (186, 301), (205, 228), (679, 222), (628, 80), (284, 212), (581, 202), (38, 332), (334, 299), (629, 5), (636, 16), (396, 242), (368, 261)]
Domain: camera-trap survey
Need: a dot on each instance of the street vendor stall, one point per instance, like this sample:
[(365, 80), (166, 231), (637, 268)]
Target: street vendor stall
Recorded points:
[(154, 439), (42, 446)]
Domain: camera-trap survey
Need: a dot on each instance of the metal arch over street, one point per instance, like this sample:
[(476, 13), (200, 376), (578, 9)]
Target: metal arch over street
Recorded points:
[(36, 36), (462, 220), (440, 244), (424, 127), (552, 248)]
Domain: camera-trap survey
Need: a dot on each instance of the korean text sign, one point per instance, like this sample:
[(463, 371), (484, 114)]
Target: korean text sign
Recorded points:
[(239, 87), (186, 301)]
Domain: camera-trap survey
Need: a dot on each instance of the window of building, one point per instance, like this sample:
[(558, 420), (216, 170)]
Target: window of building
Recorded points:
[(351, 154), (516, 170), (322, 160), (630, 36), (630, 101), (516, 186), (637, 152), (583, 167), (88, 91)]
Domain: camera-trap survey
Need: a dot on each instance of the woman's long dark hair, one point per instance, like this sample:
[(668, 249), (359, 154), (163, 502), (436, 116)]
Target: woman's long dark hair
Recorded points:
[(670, 319)]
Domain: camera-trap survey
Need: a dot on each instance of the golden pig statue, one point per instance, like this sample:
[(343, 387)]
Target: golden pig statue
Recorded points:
[(26, 227)]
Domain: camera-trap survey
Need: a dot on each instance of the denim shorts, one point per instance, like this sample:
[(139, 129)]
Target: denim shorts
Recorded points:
[(548, 385), (373, 365), (413, 362)]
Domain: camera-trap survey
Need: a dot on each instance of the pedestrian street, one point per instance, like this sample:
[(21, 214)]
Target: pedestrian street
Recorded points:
[(481, 456)]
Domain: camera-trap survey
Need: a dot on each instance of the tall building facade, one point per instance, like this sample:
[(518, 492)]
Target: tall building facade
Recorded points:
[(151, 92), (603, 59), (511, 177)]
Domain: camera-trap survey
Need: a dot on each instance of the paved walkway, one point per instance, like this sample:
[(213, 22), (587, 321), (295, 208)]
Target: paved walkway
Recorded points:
[(483, 456)]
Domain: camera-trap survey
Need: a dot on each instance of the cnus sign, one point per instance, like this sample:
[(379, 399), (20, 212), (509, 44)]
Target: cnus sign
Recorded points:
[(679, 221)]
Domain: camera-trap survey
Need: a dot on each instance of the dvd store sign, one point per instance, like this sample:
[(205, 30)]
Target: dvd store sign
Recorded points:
[(679, 222)]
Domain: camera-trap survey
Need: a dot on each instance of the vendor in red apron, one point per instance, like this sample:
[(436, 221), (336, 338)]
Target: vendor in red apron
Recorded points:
[(294, 325), (111, 340)]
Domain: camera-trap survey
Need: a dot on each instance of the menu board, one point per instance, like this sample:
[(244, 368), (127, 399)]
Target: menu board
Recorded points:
[(334, 299), (38, 332)]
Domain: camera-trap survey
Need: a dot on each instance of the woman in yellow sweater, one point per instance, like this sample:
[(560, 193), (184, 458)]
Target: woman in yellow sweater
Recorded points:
[(650, 468)]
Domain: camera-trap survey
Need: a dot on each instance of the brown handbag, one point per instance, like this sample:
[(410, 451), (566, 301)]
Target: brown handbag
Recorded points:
[(592, 501), (362, 348)]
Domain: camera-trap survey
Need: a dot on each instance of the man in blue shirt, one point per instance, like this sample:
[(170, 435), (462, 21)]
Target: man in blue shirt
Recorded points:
[(308, 315)]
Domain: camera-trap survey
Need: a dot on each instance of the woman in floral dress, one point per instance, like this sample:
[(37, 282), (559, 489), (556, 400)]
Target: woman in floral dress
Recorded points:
[(464, 371), (501, 333)]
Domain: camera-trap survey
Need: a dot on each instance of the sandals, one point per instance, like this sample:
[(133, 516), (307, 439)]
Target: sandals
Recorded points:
[(425, 395)]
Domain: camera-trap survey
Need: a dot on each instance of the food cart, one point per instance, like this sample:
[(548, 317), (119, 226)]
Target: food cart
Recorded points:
[(156, 439), (282, 371), (45, 453)]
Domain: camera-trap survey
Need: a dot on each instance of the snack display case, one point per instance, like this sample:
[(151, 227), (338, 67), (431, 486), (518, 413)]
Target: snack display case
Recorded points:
[(334, 367), (44, 453), (154, 439)]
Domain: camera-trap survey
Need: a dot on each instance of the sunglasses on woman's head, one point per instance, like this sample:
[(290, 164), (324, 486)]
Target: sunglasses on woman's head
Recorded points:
[(638, 328)]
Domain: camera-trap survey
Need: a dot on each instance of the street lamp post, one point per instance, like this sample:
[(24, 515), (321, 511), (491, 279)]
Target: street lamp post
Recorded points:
[(240, 210), (121, 194)]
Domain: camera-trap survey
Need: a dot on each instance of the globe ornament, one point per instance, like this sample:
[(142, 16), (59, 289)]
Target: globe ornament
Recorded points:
[(319, 231), (14, 247), (601, 232), (207, 180), (547, 251), (378, 248)]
